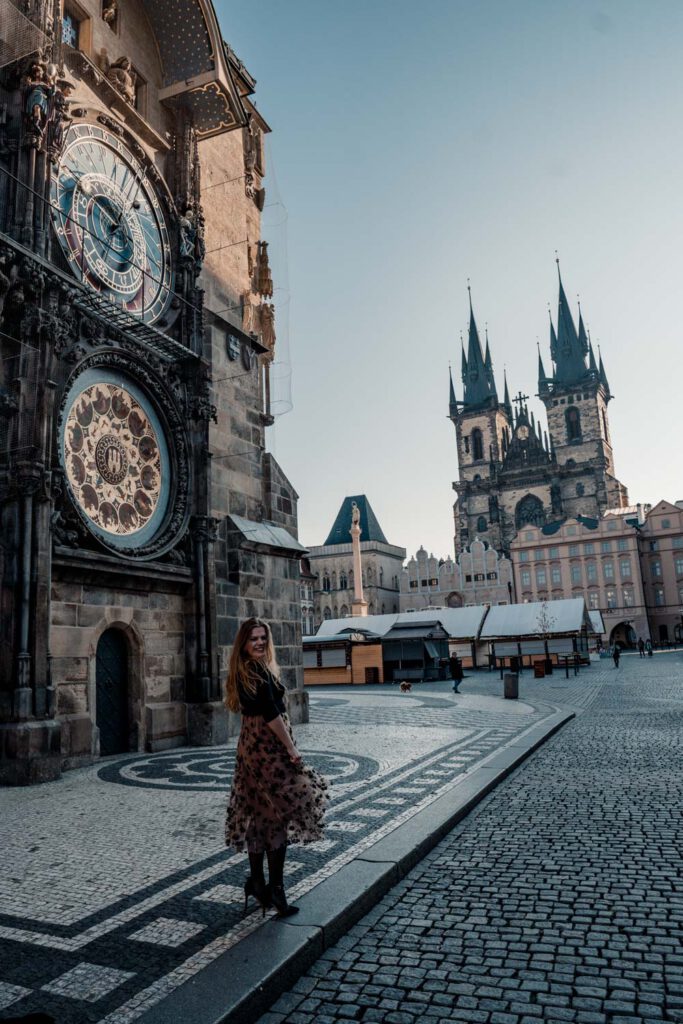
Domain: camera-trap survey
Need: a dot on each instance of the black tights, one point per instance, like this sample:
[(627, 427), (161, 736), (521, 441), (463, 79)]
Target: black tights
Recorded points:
[(276, 865)]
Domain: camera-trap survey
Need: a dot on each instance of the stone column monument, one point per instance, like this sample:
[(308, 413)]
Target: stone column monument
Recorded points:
[(359, 606)]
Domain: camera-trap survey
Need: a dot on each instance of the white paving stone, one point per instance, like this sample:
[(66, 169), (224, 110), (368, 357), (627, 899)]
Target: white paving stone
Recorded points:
[(11, 994), (87, 982), (167, 931)]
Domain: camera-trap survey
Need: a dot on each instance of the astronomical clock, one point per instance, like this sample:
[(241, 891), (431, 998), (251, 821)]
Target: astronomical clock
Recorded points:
[(134, 383)]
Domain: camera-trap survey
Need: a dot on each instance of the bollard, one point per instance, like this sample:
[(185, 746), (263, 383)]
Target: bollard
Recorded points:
[(511, 686)]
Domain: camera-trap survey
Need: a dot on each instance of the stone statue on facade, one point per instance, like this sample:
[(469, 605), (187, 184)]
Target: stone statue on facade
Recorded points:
[(123, 78), (267, 323), (38, 92), (355, 514), (264, 279)]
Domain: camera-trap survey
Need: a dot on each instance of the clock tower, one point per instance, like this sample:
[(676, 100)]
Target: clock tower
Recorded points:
[(142, 517)]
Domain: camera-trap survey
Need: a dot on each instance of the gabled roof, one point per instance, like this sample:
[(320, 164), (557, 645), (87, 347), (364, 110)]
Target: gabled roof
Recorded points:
[(564, 617), (459, 623), (370, 528)]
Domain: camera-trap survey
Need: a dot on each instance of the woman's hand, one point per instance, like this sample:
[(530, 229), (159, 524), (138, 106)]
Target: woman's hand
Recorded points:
[(295, 757)]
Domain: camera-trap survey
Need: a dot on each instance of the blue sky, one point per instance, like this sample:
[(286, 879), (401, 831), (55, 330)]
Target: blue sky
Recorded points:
[(415, 146)]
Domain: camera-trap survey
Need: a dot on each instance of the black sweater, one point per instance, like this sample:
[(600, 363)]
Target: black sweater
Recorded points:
[(268, 701)]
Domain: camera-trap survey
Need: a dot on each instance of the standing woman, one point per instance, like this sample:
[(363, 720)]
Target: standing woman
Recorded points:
[(275, 798)]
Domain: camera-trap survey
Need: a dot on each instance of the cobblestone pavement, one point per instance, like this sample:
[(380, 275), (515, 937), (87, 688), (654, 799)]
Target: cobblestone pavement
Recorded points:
[(116, 885), (560, 898)]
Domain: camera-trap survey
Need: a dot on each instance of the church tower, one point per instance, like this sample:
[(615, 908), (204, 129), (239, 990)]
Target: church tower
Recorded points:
[(576, 396), (482, 429)]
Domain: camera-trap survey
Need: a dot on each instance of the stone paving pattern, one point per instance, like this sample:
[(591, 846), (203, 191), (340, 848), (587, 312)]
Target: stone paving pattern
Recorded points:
[(117, 887), (559, 899)]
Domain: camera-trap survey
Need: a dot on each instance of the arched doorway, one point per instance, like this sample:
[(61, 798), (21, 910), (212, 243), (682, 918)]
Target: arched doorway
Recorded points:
[(623, 634), (111, 697), (454, 600)]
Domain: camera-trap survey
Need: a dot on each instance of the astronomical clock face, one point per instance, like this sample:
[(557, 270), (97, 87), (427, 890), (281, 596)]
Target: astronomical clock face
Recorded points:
[(116, 460), (110, 224)]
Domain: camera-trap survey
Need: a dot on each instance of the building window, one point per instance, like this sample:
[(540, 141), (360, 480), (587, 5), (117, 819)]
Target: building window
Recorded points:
[(344, 611), (576, 574), (540, 577), (343, 581), (477, 445), (580, 490), (606, 546), (628, 597), (525, 577), (468, 579), (622, 544), (571, 530), (665, 524), (538, 554), (554, 552), (612, 524), (326, 583), (478, 577), (625, 568), (678, 542), (529, 510), (482, 525), (588, 549), (656, 568), (381, 576), (591, 572), (593, 599), (556, 574), (659, 596), (611, 598), (413, 584), (524, 556), (573, 549), (679, 566), (608, 570), (327, 614), (654, 545), (573, 420), (70, 29), (433, 583), (492, 576)]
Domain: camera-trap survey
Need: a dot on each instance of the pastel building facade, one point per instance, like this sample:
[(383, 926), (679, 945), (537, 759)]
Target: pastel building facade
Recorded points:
[(480, 575)]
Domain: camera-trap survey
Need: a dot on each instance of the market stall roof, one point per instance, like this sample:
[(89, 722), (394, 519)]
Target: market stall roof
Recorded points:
[(564, 617), (355, 635), (459, 623), (428, 630)]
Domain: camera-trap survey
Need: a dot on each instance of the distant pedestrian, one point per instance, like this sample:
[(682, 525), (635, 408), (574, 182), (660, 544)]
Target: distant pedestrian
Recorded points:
[(455, 668), (616, 654), (275, 798), (648, 647), (641, 647)]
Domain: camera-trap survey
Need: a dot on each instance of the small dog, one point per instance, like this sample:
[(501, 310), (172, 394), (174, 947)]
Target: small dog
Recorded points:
[(406, 687)]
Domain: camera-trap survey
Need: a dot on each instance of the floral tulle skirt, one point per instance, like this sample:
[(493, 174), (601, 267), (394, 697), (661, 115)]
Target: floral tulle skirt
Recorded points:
[(272, 801)]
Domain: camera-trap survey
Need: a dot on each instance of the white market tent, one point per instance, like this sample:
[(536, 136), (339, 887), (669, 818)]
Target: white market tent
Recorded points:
[(538, 628), (459, 623)]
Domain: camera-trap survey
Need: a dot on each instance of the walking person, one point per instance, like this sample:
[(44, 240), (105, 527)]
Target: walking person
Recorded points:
[(641, 647), (648, 647), (275, 799), (455, 668), (616, 654)]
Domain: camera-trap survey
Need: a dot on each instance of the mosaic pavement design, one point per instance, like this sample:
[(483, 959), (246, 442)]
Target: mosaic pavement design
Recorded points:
[(117, 888)]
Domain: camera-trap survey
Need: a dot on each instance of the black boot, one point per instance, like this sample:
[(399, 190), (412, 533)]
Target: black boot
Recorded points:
[(255, 884), (276, 867)]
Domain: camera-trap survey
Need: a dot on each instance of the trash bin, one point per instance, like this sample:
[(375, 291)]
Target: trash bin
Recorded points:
[(511, 686)]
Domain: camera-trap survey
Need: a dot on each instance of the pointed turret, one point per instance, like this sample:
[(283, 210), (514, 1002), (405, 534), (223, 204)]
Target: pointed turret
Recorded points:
[(603, 375), (507, 404), (452, 403), (542, 377), (570, 349), (478, 379), (583, 340), (592, 365)]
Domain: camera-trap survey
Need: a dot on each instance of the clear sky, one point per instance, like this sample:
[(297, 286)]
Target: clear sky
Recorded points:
[(416, 145)]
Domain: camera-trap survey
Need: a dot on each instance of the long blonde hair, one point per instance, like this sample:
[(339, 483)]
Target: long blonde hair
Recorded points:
[(241, 672)]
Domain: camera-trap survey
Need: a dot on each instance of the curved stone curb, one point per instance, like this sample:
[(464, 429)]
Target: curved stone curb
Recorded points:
[(245, 981)]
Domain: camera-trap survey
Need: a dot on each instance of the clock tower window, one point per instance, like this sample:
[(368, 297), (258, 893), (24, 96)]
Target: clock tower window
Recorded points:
[(573, 421), (477, 445)]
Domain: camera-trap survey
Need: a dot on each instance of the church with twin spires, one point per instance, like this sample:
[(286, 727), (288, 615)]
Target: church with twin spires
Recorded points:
[(512, 471)]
